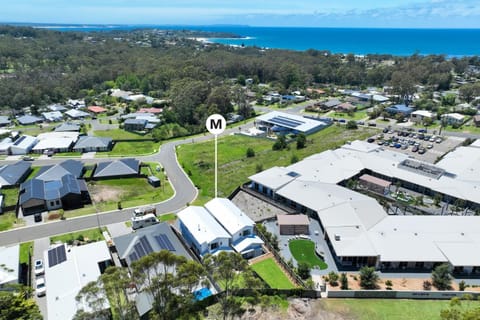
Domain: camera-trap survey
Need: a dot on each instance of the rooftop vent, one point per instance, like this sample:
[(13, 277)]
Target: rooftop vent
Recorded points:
[(337, 237)]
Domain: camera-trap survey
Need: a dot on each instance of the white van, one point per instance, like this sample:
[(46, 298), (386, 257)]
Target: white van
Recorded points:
[(144, 221)]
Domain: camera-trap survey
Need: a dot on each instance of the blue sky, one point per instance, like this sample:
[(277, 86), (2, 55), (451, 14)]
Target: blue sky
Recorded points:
[(310, 13)]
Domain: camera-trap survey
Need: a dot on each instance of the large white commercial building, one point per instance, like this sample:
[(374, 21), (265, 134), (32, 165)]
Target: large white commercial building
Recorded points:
[(358, 229)]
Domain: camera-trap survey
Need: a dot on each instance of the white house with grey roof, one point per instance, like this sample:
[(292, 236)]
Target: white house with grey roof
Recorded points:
[(55, 141), (29, 119), (359, 230), (5, 121), (77, 114)]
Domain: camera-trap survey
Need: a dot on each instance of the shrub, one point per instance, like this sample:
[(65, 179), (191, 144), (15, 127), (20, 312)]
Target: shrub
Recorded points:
[(441, 278), (294, 159), (427, 285), (303, 270), (462, 285), (368, 278), (258, 168), (343, 281), (250, 153), (301, 141), (388, 283), (351, 125), (333, 279)]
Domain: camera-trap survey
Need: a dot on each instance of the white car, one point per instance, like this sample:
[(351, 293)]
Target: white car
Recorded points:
[(40, 288), (39, 268)]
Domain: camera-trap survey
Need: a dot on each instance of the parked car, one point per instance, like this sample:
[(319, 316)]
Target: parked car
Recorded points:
[(398, 145), (372, 124), (429, 146), (438, 140), (39, 268), (404, 146), (422, 130), (380, 142), (40, 288), (28, 158), (37, 217), (385, 130), (415, 149), (370, 140), (360, 122), (422, 150)]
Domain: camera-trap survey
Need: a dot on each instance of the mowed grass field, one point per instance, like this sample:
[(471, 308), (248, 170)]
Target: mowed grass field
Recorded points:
[(271, 273), (385, 309), (304, 251), (234, 167)]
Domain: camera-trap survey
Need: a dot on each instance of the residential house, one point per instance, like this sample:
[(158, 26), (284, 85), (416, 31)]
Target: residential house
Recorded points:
[(135, 124), (203, 234), (284, 122), (329, 104), (238, 225), (53, 116), (5, 145), (419, 116), (96, 109), (93, 144), (67, 270), (76, 103), (155, 111), (127, 167), (13, 174), (399, 108), (56, 141), (23, 145), (57, 107), (77, 114), (345, 107), (54, 187), (5, 121), (9, 265), (453, 118), (67, 127), (28, 120)]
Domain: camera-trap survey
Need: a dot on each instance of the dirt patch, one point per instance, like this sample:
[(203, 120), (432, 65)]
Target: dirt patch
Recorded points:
[(104, 193)]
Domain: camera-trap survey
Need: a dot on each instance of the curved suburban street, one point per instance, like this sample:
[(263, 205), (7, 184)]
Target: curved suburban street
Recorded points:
[(185, 192)]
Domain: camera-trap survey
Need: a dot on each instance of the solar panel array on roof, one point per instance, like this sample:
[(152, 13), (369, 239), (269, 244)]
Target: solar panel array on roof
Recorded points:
[(16, 143), (286, 122), (164, 242), (56, 255), (141, 249)]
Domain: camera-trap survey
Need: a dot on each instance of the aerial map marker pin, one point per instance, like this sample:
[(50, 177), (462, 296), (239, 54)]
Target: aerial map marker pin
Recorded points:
[(216, 124)]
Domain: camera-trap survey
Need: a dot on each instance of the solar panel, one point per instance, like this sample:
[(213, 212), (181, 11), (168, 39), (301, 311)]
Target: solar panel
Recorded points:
[(164, 242), (133, 256), (139, 249), (293, 174), (56, 255), (61, 254), (146, 245)]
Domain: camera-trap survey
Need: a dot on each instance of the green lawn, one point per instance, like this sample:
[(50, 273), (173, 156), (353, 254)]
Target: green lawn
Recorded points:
[(116, 134), (234, 167), (24, 251), (386, 309), (304, 251), (131, 192), (8, 220), (132, 148), (271, 273), (10, 196), (359, 115), (94, 234), (167, 217)]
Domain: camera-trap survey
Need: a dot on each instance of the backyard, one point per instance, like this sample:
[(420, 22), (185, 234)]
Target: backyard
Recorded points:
[(197, 159), (304, 251), (271, 273)]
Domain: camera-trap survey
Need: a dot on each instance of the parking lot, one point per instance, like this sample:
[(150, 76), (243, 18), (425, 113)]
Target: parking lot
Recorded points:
[(423, 146)]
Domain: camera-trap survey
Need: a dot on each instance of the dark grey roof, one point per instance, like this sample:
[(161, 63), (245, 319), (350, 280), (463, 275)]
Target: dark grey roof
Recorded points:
[(11, 174), (92, 142), (122, 167), (32, 189), (28, 119), (56, 172), (67, 126), (128, 245)]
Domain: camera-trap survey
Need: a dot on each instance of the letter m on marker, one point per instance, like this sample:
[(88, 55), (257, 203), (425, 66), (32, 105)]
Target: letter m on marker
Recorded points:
[(216, 124)]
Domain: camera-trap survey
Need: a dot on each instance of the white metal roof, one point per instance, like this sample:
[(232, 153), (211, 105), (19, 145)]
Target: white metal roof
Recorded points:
[(229, 215), (301, 124), (423, 113), (461, 253), (246, 242), (66, 279), (25, 143), (9, 264), (201, 224), (57, 143), (469, 170), (274, 178)]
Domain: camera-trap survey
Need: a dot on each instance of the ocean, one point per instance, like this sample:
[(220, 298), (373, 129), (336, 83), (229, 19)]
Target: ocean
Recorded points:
[(360, 41)]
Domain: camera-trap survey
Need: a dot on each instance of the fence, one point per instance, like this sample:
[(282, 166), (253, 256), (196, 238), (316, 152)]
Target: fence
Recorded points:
[(392, 294)]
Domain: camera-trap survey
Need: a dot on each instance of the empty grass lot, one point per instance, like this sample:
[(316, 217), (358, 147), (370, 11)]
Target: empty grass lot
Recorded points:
[(132, 148), (271, 273), (234, 167), (131, 192), (385, 309), (304, 251), (24, 251), (120, 134)]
